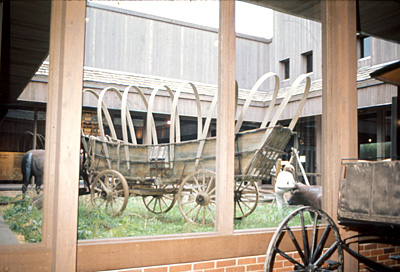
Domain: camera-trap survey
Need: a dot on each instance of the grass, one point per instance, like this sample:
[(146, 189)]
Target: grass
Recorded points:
[(24, 219), (136, 220)]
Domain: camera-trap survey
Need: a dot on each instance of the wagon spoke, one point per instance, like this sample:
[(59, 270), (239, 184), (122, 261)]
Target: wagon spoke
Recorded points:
[(163, 200), (305, 238), (194, 207), (209, 186), (246, 198), (154, 203), (102, 184), (296, 244), (111, 205), (116, 184), (244, 203), (240, 206), (197, 213), (116, 203), (194, 190), (204, 181), (99, 199), (321, 243), (120, 199), (284, 255), (212, 192), (327, 254), (314, 235), (196, 181), (211, 215), (160, 204), (204, 215), (186, 202), (246, 185), (119, 191)]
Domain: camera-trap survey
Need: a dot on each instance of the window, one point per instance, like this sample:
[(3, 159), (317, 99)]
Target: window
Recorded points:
[(285, 68), (374, 137), (308, 61), (363, 46)]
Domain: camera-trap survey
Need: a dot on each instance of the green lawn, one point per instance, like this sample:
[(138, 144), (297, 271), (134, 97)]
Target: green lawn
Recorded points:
[(136, 220)]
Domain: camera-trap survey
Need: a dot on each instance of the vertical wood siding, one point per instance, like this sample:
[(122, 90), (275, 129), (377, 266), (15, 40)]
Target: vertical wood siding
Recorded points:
[(125, 42)]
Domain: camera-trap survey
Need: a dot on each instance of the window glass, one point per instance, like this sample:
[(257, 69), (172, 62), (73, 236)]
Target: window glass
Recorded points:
[(366, 47), (22, 131), (363, 46), (309, 61), (150, 150), (267, 212), (286, 68), (374, 133)]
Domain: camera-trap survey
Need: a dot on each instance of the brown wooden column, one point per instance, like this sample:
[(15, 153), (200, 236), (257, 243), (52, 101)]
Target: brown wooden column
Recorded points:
[(339, 100), (226, 118), (63, 130)]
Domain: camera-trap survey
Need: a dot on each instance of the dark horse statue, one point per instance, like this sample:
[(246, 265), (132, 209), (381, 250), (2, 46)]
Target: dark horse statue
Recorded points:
[(33, 164)]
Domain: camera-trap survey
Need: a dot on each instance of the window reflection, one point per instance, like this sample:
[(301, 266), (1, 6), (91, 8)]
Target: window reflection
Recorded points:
[(22, 131)]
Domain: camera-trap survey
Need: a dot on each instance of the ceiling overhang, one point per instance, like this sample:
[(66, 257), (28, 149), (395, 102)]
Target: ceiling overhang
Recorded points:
[(375, 18), (24, 44)]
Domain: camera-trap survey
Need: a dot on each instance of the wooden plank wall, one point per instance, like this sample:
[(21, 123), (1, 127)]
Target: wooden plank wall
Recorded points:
[(295, 36), (155, 47)]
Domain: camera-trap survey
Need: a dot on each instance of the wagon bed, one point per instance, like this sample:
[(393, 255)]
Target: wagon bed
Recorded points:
[(369, 194)]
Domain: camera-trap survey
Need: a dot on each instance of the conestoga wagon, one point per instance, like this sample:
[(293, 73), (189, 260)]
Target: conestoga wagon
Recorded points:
[(182, 171)]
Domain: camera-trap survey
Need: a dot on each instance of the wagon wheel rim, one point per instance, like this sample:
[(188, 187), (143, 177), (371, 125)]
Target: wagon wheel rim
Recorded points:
[(245, 198), (163, 202), (110, 191), (313, 257), (196, 197)]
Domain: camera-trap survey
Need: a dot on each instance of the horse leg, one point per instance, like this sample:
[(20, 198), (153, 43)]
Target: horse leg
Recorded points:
[(24, 188), (26, 166), (39, 181)]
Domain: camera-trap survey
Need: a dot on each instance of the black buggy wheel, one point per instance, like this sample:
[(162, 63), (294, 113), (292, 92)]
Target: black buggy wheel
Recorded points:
[(246, 198), (110, 191), (196, 197), (313, 257)]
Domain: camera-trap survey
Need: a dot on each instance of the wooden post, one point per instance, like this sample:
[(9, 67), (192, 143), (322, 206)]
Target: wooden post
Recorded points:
[(63, 125), (339, 100), (226, 118)]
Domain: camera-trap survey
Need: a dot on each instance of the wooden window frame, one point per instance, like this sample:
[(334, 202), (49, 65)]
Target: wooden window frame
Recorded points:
[(60, 250)]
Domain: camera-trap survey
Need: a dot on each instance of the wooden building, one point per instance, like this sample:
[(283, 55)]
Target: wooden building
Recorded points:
[(60, 250)]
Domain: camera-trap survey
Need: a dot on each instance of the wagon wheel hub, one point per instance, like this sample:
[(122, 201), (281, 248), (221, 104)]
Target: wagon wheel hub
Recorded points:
[(107, 194), (202, 199), (310, 268), (238, 195)]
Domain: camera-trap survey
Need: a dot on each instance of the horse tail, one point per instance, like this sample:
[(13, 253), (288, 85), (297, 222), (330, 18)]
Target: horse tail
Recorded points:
[(26, 169)]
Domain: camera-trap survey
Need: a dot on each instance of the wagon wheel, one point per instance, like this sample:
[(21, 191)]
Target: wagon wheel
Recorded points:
[(196, 197), (162, 201), (110, 190), (246, 198), (312, 256)]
